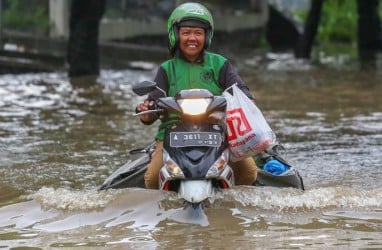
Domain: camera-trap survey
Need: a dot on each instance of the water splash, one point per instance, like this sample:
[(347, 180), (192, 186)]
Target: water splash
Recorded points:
[(289, 199), (191, 215), (58, 210), (69, 200)]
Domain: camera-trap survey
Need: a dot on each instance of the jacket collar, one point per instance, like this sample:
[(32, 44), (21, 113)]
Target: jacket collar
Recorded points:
[(199, 60)]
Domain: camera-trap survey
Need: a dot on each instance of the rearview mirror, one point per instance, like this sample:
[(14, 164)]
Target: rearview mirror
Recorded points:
[(144, 87)]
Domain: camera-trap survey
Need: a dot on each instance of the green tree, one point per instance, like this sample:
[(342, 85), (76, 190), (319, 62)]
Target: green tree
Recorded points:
[(26, 15), (338, 22)]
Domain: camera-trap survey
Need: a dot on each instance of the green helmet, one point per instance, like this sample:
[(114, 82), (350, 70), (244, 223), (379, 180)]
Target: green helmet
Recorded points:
[(189, 14)]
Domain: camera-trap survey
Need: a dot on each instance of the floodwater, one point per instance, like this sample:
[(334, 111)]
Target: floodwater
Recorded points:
[(59, 141)]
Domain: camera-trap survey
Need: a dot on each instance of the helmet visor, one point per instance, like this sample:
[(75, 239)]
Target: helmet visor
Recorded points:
[(194, 23)]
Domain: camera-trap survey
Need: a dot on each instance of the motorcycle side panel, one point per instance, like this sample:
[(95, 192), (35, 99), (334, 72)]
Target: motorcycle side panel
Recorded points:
[(291, 178), (129, 175)]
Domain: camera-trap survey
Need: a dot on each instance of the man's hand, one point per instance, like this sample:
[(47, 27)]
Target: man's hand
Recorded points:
[(144, 106)]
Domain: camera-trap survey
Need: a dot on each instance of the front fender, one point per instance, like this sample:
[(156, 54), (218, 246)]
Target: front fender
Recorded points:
[(195, 191)]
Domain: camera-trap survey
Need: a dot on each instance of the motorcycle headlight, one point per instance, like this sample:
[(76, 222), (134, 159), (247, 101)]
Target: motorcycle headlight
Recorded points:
[(194, 106), (218, 165), (171, 166)]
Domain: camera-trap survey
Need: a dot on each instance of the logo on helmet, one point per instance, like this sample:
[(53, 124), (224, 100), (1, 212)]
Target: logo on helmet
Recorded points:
[(196, 12)]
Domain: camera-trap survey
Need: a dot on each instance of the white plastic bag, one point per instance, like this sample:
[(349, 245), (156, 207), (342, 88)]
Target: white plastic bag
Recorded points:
[(248, 132)]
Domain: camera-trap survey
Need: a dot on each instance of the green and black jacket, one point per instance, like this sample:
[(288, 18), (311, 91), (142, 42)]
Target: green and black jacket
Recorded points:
[(212, 72)]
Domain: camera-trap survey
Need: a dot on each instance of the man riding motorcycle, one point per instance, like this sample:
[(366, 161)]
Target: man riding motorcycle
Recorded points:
[(190, 31)]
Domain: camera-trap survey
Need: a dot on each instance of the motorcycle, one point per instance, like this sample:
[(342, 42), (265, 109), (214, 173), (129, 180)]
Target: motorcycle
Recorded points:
[(195, 150)]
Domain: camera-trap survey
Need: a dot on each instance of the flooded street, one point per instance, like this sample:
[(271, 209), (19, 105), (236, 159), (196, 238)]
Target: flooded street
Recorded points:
[(59, 141)]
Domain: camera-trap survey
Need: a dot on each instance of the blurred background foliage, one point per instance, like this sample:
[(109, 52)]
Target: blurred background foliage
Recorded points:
[(337, 31), (26, 15)]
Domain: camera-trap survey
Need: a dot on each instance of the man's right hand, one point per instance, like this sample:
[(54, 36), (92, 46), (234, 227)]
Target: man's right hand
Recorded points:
[(144, 106)]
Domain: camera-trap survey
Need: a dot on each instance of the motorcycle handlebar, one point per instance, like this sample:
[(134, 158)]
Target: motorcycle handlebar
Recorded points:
[(148, 112)]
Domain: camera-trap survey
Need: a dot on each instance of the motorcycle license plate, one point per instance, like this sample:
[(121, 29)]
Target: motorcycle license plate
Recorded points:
[(189, 139)]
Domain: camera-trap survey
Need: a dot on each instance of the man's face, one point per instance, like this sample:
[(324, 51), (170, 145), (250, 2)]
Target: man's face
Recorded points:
[(191, 41)]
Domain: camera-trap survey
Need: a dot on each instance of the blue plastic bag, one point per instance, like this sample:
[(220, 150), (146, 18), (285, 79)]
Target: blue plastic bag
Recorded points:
[(275, 167)]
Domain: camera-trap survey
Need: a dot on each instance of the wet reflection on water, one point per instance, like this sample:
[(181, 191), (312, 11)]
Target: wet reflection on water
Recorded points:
[(59, 141)]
